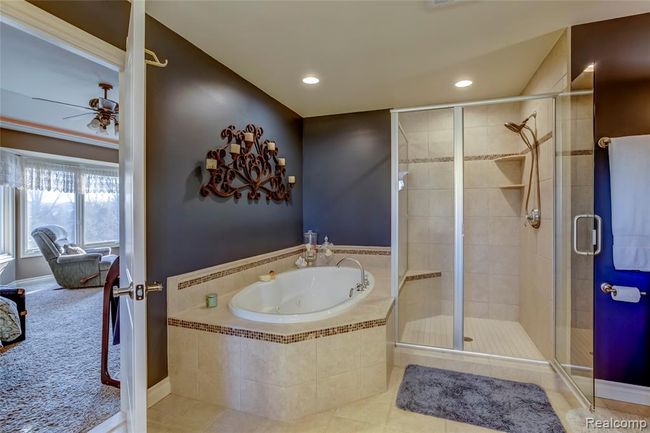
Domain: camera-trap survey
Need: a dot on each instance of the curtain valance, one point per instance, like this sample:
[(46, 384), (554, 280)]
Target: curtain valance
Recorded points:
[(11, 169), (45, 175)]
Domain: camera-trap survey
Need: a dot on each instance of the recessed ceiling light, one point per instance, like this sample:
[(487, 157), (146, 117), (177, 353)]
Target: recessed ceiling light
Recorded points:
[(463, 83), (590, 68), (310, 79)]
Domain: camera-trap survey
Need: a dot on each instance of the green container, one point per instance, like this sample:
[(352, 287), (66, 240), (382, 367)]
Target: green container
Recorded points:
[(211, 300)]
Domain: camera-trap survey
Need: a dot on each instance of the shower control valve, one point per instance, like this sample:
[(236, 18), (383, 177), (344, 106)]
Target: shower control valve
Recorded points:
[(534, 218)]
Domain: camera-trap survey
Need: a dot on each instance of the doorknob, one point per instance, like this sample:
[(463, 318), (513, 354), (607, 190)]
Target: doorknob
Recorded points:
[(140, 290)]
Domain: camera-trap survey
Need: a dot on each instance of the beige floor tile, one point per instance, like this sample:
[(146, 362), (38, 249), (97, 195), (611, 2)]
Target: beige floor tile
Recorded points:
[(311, 424), (180, 412), (343, 425), (373, 410), (232, 421), (154, 427), (411, 422)]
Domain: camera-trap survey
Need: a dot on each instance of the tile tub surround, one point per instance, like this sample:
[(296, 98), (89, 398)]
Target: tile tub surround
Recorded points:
[(284, 371), (188, 290)]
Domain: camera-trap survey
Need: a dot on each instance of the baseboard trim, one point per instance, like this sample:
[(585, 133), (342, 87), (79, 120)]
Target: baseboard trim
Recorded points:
[(159, 391), (623, 392)]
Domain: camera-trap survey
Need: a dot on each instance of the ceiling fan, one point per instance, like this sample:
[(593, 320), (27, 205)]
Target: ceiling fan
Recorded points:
[(103, 109)]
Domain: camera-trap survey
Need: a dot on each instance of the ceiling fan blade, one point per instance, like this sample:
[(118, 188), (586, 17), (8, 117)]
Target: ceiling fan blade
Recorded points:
[(78, 115), (63, 103)]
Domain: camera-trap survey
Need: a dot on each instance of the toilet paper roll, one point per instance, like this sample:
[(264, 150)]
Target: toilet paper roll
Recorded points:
[(626, 294)]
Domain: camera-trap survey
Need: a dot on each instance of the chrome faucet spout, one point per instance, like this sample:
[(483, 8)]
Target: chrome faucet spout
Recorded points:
[(364, 282)]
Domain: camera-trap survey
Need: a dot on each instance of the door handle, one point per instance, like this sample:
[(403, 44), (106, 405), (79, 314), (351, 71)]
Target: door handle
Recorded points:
[(140, 290), (597, 235)]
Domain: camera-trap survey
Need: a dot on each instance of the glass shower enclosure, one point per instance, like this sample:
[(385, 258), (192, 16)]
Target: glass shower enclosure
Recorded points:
[(480, 231)]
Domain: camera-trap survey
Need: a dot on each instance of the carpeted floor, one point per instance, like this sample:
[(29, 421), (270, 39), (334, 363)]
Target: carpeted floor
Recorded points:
[(50, 382), (497, 404)]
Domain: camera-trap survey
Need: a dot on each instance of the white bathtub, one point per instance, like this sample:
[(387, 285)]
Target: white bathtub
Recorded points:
[(303, 295)]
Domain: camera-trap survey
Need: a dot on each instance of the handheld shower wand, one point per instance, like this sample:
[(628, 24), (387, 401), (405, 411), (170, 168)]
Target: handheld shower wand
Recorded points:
[(534, 216)]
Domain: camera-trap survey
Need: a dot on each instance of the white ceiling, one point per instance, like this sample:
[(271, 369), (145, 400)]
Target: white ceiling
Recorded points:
[(31, 67), (380, 54)]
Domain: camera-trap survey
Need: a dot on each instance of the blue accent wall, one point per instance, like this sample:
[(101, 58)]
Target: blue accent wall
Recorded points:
[(622, 330), (620, 50), (346, 167)]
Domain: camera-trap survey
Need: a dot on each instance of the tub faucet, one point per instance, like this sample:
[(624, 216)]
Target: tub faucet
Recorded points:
[(363, 284)]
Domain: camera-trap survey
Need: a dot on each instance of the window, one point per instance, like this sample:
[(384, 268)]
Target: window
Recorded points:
[(101, 212), (82, 199), (3, 222), (11, 177), (49, 207)]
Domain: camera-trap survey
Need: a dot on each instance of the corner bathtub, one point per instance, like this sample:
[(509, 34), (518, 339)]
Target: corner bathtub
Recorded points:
[(303, 295)]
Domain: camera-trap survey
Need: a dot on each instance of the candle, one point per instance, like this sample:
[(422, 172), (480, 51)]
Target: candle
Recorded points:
[(235, 148), (271, 145), (211, 164), (292, 179), (248, 136), (281, 162)]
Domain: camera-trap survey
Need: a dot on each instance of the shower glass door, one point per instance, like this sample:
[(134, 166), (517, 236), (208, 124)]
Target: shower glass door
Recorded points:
[(426, 227), (576, 235)]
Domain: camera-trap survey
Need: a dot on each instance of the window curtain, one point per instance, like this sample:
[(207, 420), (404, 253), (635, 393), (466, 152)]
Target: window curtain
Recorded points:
[(11, 169), (41, 175), (45, 175), (100, 180)]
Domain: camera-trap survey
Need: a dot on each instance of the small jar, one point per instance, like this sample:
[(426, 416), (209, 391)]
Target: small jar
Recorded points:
[(211, 300)]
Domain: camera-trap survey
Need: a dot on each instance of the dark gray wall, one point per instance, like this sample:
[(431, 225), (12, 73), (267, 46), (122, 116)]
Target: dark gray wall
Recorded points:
[(188, 104), (346, 167)]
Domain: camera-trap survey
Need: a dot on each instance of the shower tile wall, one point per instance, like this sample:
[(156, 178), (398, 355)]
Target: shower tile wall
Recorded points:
[(492, 214), (536, 258)]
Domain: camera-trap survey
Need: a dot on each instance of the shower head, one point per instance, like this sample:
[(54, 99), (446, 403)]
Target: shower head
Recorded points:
[(517, 127)]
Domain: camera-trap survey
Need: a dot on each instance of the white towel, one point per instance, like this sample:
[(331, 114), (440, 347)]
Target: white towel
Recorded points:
[(629, 167)]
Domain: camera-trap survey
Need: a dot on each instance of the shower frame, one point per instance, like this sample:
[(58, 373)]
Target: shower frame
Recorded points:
[(459, 263)]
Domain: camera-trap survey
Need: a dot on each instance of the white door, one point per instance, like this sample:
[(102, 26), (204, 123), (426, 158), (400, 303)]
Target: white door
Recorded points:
[(133, 313)]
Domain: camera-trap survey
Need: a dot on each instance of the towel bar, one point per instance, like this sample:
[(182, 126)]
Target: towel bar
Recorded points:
[(603, 142)]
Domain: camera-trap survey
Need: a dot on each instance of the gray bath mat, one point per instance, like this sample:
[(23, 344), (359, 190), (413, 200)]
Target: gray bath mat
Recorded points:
[(497, 404)]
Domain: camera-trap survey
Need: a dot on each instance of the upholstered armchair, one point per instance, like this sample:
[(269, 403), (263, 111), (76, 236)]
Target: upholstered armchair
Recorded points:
[(72, 271)]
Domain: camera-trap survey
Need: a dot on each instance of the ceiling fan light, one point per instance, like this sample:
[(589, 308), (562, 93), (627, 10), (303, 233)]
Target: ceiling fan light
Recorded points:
[(116, 127)]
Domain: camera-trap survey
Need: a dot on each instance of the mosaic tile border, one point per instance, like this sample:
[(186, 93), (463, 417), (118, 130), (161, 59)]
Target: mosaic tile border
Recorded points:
[(361, 251), (486, 157), (585, 152), (297, 250), (235, 269), (422, 276), (277, 338)]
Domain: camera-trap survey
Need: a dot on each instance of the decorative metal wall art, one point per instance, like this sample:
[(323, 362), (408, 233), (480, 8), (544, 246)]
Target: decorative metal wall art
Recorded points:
[(246, 162)]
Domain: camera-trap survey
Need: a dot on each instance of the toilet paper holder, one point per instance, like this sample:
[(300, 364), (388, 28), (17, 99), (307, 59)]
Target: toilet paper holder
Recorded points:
[(609, 289)]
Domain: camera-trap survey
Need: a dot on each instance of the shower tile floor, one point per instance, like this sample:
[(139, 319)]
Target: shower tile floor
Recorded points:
[(496, 337)]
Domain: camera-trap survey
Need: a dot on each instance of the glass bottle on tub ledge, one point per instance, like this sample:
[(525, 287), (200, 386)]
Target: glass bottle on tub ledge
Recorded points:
[(325, 253), (310, 239)]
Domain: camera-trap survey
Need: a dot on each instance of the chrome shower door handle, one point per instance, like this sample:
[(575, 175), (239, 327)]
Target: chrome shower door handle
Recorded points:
[(597, 235)]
